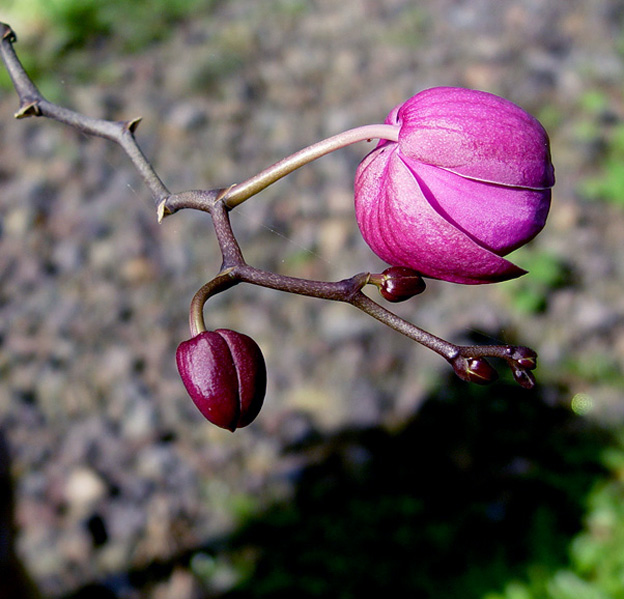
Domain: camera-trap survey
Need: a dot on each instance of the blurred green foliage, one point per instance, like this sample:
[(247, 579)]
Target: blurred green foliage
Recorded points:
[(609, 184), (596, 565), (78, 24), (596, 367), (68, 34), (547, 272), (600, 129)]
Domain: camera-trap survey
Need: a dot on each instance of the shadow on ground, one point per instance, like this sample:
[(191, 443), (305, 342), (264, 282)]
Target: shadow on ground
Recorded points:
[(482, 486)]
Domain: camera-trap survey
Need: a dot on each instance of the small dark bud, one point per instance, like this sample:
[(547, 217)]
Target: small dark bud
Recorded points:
[(525, 358), (397, 283), (474, 370), (225, 374), (524, 378)]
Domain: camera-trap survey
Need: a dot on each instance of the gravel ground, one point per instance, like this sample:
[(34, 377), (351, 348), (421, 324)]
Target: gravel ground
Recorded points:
[(114, 467)]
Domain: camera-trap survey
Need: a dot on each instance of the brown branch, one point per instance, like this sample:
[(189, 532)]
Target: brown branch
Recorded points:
[(32, 103), (467, 361)]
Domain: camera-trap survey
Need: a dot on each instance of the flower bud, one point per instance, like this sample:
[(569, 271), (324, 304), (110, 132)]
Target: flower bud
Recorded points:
[(474, 370), (524, 357), (225, 374), (397, 283), (468, 181), (524, 378)]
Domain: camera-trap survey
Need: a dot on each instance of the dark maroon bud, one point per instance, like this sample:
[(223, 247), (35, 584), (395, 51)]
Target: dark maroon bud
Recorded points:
[(525, 358), (397, 283), (225, 374), (524, 378), (474, 370)]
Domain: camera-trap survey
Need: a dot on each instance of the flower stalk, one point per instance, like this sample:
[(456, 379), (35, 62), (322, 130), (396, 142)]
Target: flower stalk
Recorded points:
[(240, 192), (458, 179)]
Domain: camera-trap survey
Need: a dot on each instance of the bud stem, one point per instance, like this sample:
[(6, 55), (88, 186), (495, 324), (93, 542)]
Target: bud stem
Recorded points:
[(220, 283), (237, 194)]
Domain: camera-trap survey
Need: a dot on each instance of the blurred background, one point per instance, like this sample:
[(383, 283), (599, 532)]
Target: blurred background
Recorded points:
[(370, 468)]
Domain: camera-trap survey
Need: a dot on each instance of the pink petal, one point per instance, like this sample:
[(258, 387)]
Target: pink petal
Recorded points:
[(496, 217), (475, 134), (402, 228)]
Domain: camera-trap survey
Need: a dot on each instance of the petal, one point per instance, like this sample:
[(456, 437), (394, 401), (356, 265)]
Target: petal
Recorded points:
[(497, 217), (251, 372), (475, 134), (402, 228), (208, 373)]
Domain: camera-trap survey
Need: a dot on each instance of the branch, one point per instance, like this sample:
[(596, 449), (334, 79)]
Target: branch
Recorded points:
[(32, 103), (468, 361)]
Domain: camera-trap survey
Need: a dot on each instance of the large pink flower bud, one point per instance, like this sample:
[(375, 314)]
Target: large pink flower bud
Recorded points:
[(225, 374), (468, 181)]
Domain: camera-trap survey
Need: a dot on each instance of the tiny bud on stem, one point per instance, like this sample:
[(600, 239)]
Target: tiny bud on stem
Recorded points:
[(474, 370), (397, 283)]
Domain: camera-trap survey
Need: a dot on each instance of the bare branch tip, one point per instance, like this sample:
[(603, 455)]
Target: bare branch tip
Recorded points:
[(163, 210), (7, 33), (29, 109), (133, 124)]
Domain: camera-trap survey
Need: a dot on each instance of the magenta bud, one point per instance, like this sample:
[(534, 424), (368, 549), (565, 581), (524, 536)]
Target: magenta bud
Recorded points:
[(397, 283), (474, 370), (225, 374), (468, 181)]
